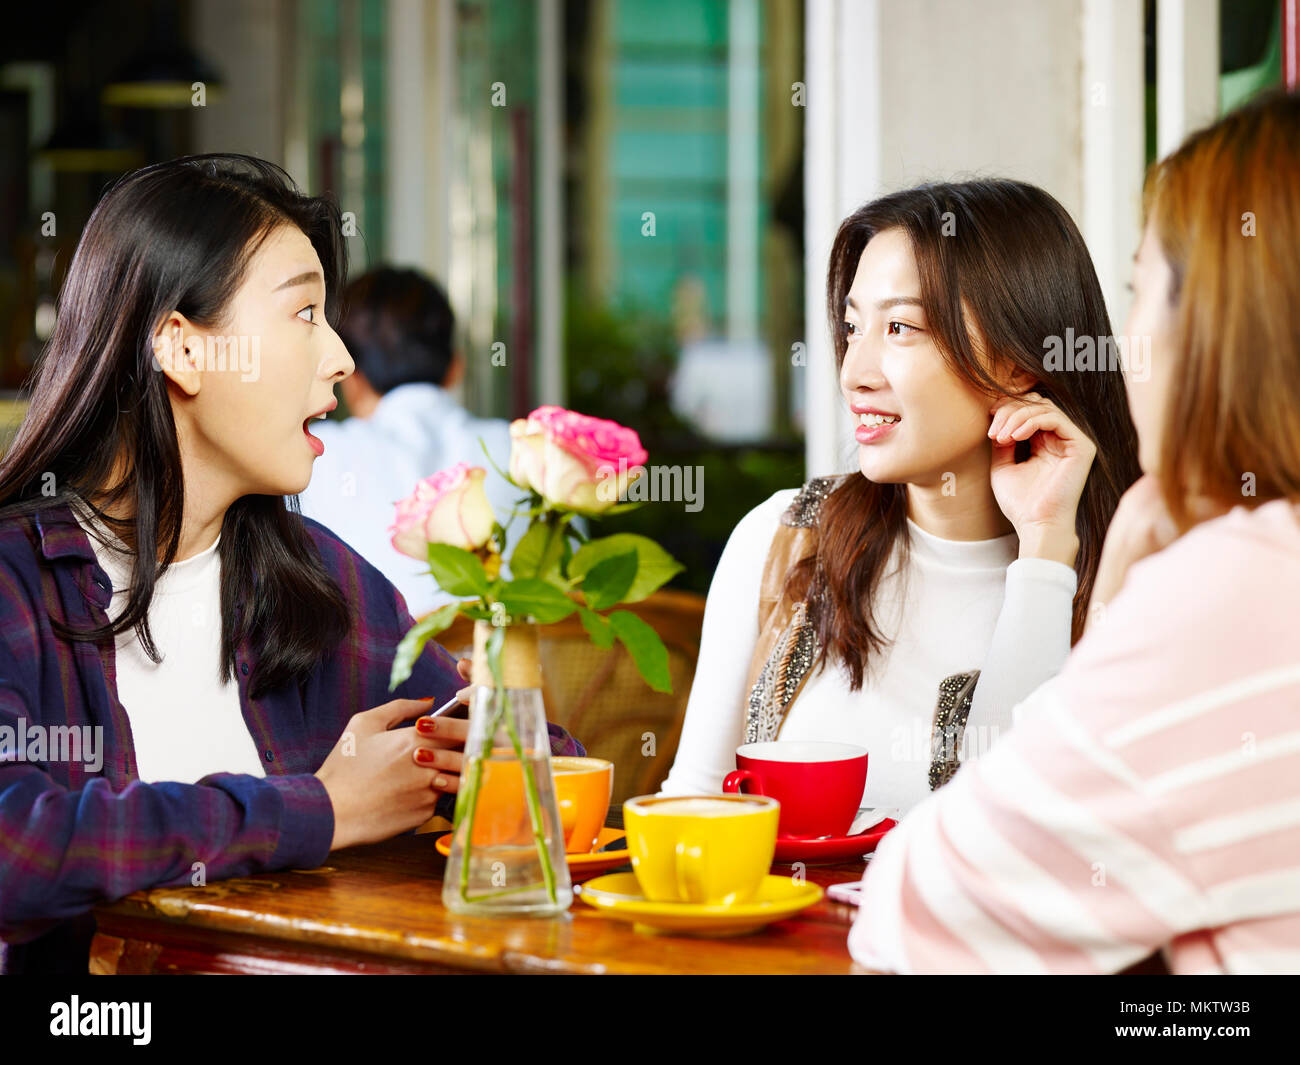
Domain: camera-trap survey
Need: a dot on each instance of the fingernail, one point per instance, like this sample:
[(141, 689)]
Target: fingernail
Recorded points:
[(427, 725), (439, 782), (425, 756)]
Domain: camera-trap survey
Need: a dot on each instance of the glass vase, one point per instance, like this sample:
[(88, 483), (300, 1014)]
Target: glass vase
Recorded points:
[(507, 847)]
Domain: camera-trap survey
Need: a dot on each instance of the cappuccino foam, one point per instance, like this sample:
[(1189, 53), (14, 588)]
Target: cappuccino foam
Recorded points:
[(702, 807)]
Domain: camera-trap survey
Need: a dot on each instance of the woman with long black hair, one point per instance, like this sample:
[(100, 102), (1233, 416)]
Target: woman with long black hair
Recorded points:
[(193, 677)]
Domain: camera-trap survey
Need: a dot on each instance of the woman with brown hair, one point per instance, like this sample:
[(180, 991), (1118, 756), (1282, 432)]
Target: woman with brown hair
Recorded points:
[(1146, 798), (908, 607)]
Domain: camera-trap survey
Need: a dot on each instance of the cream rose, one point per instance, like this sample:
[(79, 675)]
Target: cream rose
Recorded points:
[(449, 507), (573, 459)]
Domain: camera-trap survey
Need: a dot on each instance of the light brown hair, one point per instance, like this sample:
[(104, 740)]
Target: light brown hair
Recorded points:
[(1226, 212)]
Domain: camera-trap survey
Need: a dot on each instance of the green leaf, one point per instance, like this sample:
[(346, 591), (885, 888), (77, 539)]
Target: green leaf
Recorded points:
[(598, 628), (413, 642), (457, 571), (549, 567), (609, 580), (477, 612), (527, 555), (655, 566), (532, 596), (541, 550), (645, 647)]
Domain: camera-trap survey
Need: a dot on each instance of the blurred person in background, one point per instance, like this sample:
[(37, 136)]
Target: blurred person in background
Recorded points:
[(405, 424)]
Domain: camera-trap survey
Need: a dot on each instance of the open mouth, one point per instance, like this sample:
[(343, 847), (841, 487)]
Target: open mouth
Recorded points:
[(317, 445), (871, 421)]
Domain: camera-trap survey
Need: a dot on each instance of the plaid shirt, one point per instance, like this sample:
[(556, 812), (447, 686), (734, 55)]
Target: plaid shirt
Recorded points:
[(72, 837)]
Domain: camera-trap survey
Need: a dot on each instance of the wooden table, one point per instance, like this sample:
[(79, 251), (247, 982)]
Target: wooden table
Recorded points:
[(378, 909)]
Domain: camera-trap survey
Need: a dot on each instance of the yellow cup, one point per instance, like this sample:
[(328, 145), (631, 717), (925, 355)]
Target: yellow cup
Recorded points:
[(704, 849), (583, 787)]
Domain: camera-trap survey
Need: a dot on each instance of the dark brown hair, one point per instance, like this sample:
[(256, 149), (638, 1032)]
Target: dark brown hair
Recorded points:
[(398, 327), (1225, 211), (174, 236), (1011, 256)]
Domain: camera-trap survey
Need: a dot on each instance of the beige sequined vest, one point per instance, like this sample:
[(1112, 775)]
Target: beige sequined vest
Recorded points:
[(787, 642)]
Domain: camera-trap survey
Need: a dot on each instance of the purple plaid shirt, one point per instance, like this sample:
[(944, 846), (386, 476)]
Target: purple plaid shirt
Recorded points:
[(71, 838)]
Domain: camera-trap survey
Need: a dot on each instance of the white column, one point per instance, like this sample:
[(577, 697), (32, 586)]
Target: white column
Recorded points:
[(418, 88), (243, 40), (742, 170), (842, 168), (550, 204), (1187, 69), (1114, 125), (352, 129)]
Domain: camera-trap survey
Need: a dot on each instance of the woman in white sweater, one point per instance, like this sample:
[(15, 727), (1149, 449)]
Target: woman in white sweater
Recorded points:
[(908, 608)]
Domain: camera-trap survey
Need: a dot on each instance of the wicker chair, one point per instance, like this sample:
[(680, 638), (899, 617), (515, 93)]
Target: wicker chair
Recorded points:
[(599, 696)]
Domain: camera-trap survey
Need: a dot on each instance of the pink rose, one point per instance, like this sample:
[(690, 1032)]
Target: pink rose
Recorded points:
[(573, 459), (449, 507)]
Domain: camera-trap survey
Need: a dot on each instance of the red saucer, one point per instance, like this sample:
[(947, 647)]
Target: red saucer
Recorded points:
[(831, 849)]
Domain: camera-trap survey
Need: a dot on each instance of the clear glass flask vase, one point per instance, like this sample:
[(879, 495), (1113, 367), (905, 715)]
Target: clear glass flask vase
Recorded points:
[(507, 847)]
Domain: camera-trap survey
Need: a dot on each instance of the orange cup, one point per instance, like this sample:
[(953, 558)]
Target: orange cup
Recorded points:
[(583, 787)]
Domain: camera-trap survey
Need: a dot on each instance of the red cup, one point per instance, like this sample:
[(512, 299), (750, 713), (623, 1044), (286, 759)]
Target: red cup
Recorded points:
[(819, 785)]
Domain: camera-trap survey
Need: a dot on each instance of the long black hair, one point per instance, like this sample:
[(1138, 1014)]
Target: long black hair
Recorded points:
[(175, 236)]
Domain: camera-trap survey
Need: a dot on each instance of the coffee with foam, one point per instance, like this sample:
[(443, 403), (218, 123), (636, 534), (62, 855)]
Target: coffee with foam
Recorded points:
[(702, 807), (575, 764)]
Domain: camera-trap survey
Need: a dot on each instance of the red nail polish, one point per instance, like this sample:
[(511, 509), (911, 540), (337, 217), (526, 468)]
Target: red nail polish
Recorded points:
[(425, 756), (426, 725)]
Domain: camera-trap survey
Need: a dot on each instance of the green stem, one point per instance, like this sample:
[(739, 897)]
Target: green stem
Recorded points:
[(471, 804), (534, 806), (498, 894), (501, 710)]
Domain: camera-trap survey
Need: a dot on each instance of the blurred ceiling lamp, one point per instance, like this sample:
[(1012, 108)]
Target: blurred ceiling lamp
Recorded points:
[(161, 80), (164, 73), (82, 142)]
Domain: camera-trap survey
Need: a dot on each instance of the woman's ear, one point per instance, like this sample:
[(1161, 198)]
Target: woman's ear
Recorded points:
[(178, 352), (1016, 381), (1022, 381)]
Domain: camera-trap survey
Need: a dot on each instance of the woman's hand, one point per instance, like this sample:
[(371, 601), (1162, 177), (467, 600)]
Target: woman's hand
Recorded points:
[(382, 779), (1141, 526), (1040, 496)]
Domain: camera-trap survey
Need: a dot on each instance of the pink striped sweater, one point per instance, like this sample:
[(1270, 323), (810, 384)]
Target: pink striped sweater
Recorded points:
[(1147, 798)]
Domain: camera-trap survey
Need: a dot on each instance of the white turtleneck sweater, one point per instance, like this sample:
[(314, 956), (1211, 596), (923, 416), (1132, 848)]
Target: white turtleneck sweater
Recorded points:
[(954, 606), (185, 723)]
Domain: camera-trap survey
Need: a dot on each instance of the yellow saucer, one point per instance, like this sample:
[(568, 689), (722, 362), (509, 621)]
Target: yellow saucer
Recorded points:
[(619, 896)]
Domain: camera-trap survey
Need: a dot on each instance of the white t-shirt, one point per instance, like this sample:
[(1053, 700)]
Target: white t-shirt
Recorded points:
[(185, 723), (954, 607)]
